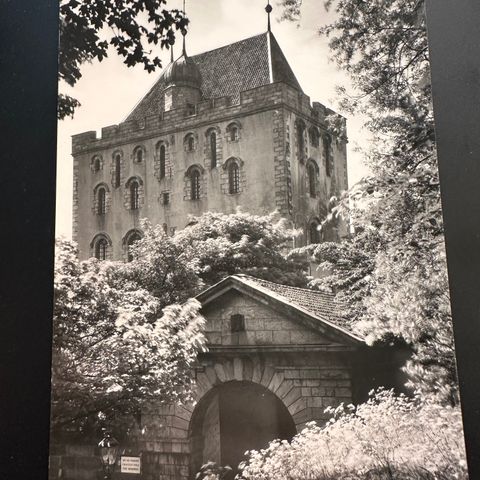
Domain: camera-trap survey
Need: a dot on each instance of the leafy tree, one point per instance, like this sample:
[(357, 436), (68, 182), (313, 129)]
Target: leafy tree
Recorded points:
[(244, 243), (133, 28), (128, 334), (392, 272), (387, 437), (115, 345)]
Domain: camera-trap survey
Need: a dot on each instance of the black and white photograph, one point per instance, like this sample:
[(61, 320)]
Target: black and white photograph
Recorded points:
[(250, 276)]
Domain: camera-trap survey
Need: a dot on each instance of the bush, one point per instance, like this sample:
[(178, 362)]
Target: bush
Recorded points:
[(388, 437)]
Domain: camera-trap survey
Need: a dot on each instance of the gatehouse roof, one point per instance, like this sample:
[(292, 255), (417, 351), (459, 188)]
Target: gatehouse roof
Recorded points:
[(319, 309), (229, 70)]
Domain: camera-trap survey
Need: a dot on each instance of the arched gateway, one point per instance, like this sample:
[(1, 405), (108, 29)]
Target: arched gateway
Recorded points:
[(234, 417), (277, 357)]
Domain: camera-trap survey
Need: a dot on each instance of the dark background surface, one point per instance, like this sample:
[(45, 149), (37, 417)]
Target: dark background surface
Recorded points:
[(454, 36), (28, 52)]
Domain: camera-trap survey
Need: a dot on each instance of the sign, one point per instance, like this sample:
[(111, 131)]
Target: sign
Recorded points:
[(130, 465)]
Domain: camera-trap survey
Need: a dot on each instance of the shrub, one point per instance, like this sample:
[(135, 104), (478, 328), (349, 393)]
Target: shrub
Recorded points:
[(388, 437)]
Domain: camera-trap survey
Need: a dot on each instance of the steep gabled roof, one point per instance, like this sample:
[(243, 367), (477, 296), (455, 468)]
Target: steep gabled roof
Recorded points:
[(229, 70), (318, 308)]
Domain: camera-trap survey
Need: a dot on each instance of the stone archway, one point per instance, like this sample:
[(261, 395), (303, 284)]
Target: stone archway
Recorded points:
[(234, 417)]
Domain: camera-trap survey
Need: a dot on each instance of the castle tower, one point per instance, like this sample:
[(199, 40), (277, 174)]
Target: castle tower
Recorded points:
[(223, 129)]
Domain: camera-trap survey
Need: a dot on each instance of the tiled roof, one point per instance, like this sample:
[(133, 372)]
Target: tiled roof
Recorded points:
[(319, 304), (229, 70)]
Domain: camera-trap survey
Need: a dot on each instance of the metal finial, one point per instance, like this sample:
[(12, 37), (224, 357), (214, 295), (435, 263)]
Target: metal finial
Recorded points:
[(184, 33), (268, 9), (171, 53)]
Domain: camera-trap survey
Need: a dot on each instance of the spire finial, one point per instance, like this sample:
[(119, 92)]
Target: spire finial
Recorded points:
[(171, 53), (268, 9), (184, 33)]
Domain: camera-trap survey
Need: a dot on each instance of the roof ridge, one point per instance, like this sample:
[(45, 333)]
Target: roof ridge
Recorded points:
[(228, 44), (287, 286)]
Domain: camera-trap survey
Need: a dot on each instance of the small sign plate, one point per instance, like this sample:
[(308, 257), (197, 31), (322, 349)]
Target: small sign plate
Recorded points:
[(130, 465)]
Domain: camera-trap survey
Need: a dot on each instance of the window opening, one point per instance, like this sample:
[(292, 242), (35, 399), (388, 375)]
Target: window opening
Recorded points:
[(101, 249), (213, 149), (134, 195), (162, 161), (195, 184), (237, 323)]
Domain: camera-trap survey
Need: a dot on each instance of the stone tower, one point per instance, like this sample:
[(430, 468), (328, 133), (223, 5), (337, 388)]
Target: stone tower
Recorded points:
[(227, 128)]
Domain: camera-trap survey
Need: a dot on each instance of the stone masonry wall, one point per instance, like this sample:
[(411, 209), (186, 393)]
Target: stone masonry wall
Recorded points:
[(271, 178)]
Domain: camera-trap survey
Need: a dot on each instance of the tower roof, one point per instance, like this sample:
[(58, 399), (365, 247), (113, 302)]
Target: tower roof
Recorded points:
[(229, 70)]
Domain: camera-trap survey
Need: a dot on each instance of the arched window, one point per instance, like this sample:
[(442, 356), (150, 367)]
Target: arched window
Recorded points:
[(300, 140), (101, 201), (233, 178), (213, 150), (312, 179), (162, 154), (233, 132), (195, 184), (327, 152), (134, 195), (314, 136), (131, 239), (96, 164), (138, 155), (118, 170), (189, 142), (314, 232), (101, 246)]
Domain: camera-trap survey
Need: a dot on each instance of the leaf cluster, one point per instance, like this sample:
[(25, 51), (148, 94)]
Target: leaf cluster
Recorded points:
[(133, 28)]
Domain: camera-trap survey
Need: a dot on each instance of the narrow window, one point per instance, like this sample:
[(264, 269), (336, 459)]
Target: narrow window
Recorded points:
[(139, 155), (300, 141), (311, 180), (101, 201), (213, 149), (237, 323), (165, 229), (134, 237), (134, 195), (96, 164), (233, 133), (165, 198), (314, 233), (195, 184), (233, 178), (101, 249), (118, 166), (327, 151), (162, 161), (190, 143)]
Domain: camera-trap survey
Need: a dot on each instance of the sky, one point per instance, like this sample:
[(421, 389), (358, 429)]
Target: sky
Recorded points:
[(109, 90)]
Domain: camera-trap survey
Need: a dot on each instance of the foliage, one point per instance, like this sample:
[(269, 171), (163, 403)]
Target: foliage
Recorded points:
[(132, 27), (114, 348), (212, 247), (125, 334), (373, 441), (392, 272), (244, 243)]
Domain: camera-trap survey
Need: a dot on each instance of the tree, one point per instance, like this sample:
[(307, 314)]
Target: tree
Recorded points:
[(387, 437), (244, 243), (132, 27), (115, 345), (392, 273), (128, 334)]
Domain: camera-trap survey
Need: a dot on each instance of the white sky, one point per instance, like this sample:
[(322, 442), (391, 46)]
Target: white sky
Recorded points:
[(109, 90)]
